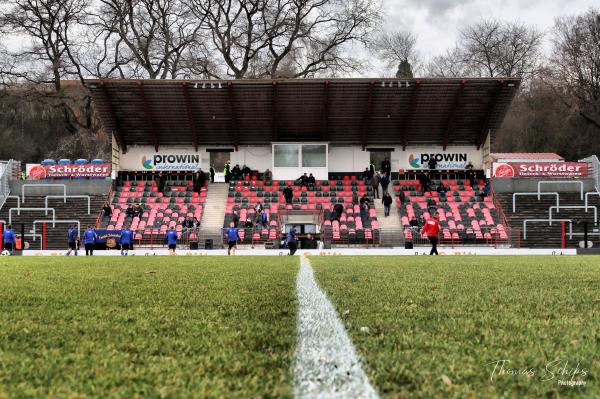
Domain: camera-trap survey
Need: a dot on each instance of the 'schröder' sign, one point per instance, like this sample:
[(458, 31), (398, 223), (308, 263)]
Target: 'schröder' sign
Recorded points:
[(540, 169), (37, 171)]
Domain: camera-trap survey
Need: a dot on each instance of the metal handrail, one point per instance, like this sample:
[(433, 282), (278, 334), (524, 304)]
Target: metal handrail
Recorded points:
[(54, 221), (89, 201), (532, 194), (539, 185), (63, 186), (558, 208), (546, 220), (30, 209)]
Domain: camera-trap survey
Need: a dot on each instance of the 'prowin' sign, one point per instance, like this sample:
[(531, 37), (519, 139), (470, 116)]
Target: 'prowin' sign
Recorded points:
[(445, 160), (171, 162)]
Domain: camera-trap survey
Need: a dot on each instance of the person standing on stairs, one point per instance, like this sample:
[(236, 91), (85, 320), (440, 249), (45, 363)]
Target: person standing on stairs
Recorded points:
[(212, 174), (387, 203)]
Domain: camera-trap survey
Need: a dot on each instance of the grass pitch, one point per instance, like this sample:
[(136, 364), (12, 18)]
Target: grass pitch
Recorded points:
[(147, 327), (435, 324)]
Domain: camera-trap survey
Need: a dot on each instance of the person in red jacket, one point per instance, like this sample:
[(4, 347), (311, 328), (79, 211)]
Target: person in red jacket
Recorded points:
[(431, 229)]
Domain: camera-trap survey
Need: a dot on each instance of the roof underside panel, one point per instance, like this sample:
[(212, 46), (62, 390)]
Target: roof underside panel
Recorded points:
[(345, 111)]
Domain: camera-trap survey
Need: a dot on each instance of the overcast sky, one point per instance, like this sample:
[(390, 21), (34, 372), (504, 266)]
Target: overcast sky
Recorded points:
[(437, 22)]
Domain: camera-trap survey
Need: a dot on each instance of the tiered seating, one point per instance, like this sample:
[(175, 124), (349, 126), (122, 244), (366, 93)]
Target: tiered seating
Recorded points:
[(463, 215), (162, 210), (244, 195)]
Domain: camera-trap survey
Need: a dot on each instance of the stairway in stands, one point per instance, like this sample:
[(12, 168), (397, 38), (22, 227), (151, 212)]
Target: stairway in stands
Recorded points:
[(73, 209), (211, 225), (391, 228), (541, 234)]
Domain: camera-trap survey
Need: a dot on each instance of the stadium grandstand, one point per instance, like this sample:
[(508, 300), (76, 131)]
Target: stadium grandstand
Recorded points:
[(267, 155)]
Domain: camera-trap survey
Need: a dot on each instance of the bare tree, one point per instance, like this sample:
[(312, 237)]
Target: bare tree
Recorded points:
[(576, 62), (493, 48), (398, 50), (449, 65), (49, 25), (296, 38), (144, 38)]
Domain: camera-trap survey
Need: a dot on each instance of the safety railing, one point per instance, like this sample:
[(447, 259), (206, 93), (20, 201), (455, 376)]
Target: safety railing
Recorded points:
[(31, 185), (89, 201), (31, 210), (524, 230), (538, 195), (578, 182), (488, 236)]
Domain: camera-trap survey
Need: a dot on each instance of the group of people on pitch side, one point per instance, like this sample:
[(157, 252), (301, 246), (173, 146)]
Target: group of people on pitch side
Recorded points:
[(233, 236), (90, 238)]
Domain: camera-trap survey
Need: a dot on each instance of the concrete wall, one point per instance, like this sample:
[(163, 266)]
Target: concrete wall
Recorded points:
[(348, 159), (528, 185), (74, 187)]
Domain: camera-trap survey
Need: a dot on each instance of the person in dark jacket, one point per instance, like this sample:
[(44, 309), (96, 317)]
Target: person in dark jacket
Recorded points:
[(89, 241), (211, 171), (386, 167), (387, 203), (9, 239), (365, 175), (246, 171), (106, 210), (288, 194), (311, 180), (73, 240), (227, 171), (199, 180), (236, 172), (384, 180), (374, 182), (364, 214)]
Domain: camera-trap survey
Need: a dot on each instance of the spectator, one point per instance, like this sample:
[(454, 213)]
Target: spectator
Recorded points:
[(334, 216), (354, 198), (374, 182), (371, 170), (309, 242), (106, 210), (311, 180), (246, 171), (248, 224), (413, 222), (258, 208), (211, 171), (364, 200), (364, 214), (424, 181), (386, 167), (268, 176), (199, 180), (139, 210), (401, 196), (384, 180), (387, 203), (365, 175), (235, 217), (431, 206), (227, 171), (9, 239), (339, 208), (431, 229), (264, 217), (196, 223), (130, 211), (302, 180), (486, 190), (291, 242), (288, 194), (441, 188), (161, 181), (236, 172), (432, 163)]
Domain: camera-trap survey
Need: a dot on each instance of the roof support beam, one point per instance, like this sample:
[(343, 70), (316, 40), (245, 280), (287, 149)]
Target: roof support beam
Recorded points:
[(274, 114), (113, 115), (190, 114), (148, 115), (485, 128), (325, 112), (367, 116), (412, 107), (455, 108), (234, 124)]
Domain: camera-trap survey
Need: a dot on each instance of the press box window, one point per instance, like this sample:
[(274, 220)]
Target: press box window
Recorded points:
[(314, 156), (286, 155)]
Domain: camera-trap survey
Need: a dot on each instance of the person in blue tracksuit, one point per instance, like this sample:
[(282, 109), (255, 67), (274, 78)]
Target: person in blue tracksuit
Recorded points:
[(126, 240), (73, 239), (291, 240), (89, 240), (233, 236), (9, 239), (172, 240)]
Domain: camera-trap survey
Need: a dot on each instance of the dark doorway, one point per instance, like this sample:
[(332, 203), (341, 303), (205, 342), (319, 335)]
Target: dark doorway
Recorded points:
[(218, 159), (378, 156)]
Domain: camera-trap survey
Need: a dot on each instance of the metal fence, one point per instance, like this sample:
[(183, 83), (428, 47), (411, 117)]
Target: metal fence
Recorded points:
[(6, 174), (460, 237)]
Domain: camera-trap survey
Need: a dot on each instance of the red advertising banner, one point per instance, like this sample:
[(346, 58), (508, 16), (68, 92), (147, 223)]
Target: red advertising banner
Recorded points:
[(37, 171), (540, 169)]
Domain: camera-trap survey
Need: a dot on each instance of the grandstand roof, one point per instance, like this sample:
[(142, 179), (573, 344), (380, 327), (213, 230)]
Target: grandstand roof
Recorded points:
[(526, 155), (367, 112)]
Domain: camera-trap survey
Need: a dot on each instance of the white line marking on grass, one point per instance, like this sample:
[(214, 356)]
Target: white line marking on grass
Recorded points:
[(326, 362)]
